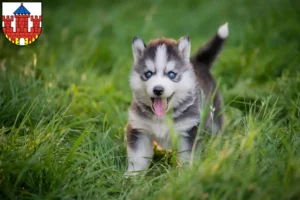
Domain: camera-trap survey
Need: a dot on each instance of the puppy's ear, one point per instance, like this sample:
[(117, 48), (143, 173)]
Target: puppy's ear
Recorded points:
[(138, 47), (184, 47)]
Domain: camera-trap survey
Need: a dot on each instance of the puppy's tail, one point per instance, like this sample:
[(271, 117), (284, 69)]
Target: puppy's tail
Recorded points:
[(208, 54)]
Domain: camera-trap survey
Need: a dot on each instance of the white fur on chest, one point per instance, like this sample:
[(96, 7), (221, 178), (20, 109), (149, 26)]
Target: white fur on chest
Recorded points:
[(158, 128)]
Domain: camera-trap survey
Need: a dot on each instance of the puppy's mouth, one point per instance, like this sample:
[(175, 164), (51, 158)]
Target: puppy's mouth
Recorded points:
[(160, 105)]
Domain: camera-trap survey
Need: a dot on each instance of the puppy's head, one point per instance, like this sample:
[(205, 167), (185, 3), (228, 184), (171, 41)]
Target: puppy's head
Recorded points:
[(162, 74)]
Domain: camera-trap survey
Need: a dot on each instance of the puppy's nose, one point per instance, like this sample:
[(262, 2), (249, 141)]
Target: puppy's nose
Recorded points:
[(158, 90)]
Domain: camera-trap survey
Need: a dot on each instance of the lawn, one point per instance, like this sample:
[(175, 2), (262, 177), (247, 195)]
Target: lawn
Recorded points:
[(64, 101)]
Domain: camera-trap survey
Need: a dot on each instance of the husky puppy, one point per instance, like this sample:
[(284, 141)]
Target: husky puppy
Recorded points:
[(164, 78)]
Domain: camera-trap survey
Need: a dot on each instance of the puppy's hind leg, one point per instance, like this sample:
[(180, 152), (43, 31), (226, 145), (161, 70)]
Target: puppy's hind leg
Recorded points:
[(186, 145), (139, 151)]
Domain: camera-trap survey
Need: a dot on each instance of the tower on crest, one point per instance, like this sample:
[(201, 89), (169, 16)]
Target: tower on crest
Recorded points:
[(24, 25)]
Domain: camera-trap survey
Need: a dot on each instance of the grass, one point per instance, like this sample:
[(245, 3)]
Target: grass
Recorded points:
[(64, 100)]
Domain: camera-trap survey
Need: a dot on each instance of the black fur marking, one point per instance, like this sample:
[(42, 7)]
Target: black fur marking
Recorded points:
[(173, 53), (141, 67), (132, 137), (150, 53), (192, 133), (218, 115), (209, 52)]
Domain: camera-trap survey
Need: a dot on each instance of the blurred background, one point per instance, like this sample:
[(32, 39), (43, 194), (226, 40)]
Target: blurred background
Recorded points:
[(85, 47), (74, 79)]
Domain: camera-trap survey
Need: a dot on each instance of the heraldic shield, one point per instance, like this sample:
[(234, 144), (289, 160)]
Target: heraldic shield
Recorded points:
[(22, 22)]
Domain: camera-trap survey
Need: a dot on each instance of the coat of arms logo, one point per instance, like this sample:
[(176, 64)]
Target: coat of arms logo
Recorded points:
[(22, 22)]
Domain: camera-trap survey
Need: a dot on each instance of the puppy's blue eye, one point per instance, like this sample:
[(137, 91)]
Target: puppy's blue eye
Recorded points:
[(148, 74), (172, 75)]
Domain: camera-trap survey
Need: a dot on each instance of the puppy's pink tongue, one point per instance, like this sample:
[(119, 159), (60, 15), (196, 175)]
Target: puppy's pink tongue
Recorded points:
[(160, 106)]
